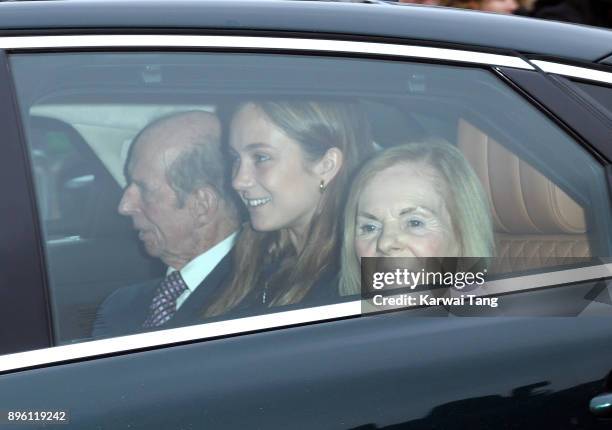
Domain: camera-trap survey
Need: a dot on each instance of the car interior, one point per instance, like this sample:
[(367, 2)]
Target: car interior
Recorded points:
[(82, 116), (82, 227), (536, 223)]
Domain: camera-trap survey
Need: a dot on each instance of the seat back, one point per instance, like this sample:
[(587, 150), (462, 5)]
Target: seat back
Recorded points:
[(536, 223)]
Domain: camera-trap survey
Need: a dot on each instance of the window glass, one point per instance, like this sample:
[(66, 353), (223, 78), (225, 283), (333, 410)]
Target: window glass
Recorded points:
[(602, 95), (180, 188)]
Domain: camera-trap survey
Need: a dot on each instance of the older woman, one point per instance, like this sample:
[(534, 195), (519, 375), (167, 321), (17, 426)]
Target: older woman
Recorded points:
[(292, 163), (414, 200)]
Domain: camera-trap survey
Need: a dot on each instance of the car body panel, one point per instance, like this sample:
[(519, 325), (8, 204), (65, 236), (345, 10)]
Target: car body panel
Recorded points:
[(425, 24), (378, 371)]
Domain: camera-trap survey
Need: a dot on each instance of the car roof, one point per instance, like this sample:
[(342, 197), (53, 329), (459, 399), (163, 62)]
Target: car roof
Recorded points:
[(434, 25)]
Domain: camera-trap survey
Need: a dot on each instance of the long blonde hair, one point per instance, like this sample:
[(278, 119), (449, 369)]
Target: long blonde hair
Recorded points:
[(468, 205), (317, 126)]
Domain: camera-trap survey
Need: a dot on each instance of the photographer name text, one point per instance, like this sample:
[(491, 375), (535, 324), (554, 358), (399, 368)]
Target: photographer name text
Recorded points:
[(429, 300)]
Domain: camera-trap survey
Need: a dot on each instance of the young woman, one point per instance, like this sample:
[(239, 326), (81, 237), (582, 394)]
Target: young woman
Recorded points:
[(414, 200), (292, 161)]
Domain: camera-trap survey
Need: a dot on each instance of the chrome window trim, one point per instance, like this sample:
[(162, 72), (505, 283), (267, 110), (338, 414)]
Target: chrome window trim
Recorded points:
[(574, 71), (93, 348), (548, 279), (254, 43), (122, 344)]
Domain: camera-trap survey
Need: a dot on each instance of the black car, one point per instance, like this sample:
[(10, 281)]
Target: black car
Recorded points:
[(529, 105)]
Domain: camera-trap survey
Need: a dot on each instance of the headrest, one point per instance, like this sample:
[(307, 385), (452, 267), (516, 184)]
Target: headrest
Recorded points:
[(523, 201)]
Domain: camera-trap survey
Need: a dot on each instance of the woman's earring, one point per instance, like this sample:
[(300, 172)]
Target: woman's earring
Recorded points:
[(322, 186)]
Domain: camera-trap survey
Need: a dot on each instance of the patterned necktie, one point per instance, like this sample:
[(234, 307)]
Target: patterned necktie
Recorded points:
[(163, 306)]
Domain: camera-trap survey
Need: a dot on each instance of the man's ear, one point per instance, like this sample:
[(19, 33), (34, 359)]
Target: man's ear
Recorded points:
[(329, 165), (204, 204)]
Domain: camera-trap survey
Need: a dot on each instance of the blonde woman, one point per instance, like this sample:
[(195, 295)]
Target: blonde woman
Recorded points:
[(414, 200), (291, 166)]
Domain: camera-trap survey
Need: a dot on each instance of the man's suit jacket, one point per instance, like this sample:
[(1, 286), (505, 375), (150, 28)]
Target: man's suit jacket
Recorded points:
[(124, 311)]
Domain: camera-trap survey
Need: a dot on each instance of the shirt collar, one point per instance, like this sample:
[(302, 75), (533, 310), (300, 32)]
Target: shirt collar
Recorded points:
[(200, 267)]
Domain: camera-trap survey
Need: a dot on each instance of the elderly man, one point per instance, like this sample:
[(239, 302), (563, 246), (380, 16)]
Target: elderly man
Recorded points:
[(175, 197)]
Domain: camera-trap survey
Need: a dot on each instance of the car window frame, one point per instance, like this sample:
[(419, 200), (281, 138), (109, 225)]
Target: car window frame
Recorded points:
[(25, 313), (285, 45), (579, 87)]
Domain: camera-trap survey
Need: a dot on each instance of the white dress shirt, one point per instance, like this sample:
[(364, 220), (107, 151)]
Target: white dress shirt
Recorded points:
[(199, 268)]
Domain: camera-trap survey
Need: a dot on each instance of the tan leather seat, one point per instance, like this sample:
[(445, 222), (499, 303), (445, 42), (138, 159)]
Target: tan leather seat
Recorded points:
[(536, 223)]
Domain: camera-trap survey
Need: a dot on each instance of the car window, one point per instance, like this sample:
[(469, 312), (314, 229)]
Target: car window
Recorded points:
[(181, 188)]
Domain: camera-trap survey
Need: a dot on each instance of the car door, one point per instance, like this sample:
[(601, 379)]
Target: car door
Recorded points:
[(534, 361)]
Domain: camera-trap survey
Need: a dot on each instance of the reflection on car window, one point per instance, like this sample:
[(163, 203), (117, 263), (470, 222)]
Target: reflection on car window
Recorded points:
[(173, 191)]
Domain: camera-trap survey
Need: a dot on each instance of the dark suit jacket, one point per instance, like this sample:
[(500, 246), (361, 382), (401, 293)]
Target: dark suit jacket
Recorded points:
[(324, 291), (124, 311)]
